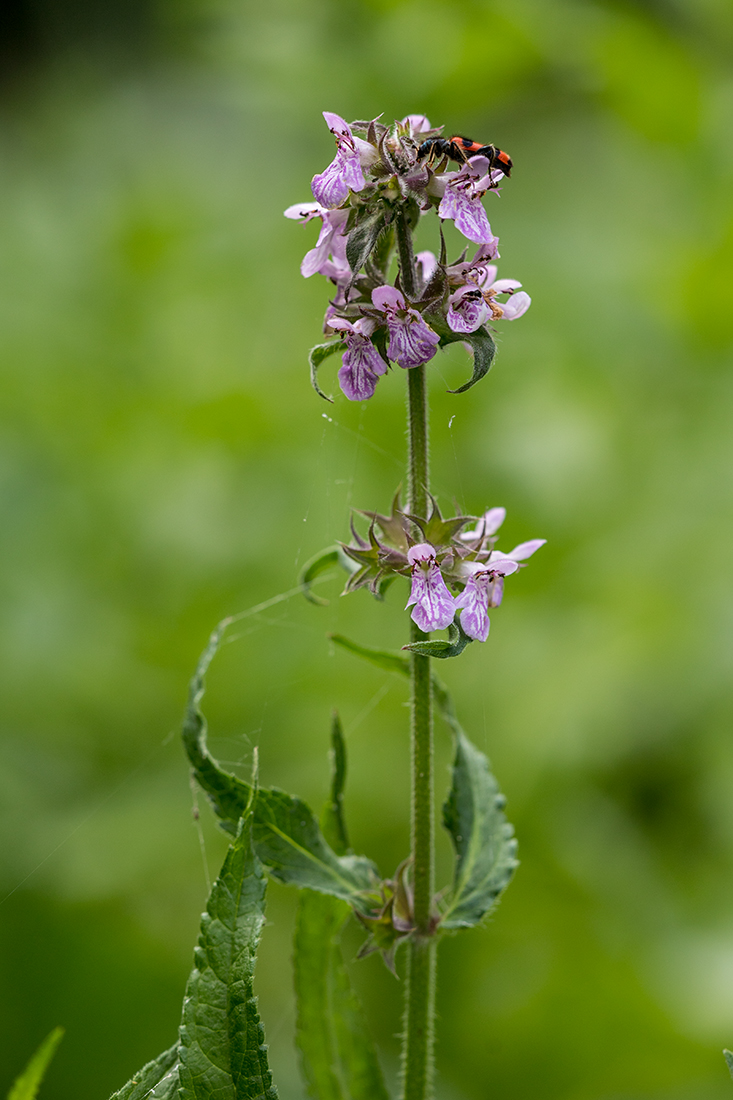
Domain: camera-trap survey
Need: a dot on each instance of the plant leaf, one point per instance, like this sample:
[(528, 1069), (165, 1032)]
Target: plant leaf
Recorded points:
[(221, 1048), (338, 1059), (289, 842), (158, 1080), (482, 837), (484, 351), (363, 237), (27, 1083), (333, 824), (227, 794), (382, 658), (439, 647), (728, 1055), (313, 568), (317, 356)]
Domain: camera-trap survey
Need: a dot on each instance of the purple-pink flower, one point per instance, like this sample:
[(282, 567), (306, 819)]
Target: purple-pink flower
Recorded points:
[(411, 340), (344, 173), (329, 255), (467, 310), (485, 576), (434, 607), (461, 201), (362, 363)]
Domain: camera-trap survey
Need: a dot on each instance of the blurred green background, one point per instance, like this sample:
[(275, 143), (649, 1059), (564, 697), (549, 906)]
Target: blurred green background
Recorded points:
[(164, 462)]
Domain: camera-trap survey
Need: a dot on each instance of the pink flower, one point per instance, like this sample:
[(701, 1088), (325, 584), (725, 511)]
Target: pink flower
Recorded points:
[(362, 363), (484, 589), (329, 255), (488, 525), (417, 124), (411, 340), (344, 173), (467, 310), (461, 200), (434, 607), (515, 306)]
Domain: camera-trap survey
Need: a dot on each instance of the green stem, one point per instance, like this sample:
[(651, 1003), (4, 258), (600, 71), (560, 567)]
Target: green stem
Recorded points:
[(420, 981)]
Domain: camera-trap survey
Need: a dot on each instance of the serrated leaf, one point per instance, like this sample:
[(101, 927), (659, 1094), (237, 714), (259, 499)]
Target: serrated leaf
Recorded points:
[(728, 1055), (482, 838), (337, 1056), (333, 824), (363, 237), (221, 1043), (318, 355), (440, 647), (382, 658), (158, 1080), (227, 794), (484, 351), (285, 832), (290, 843), (27, 1083)]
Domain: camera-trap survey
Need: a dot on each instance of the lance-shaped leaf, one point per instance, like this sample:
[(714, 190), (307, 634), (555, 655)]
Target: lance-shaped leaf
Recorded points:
[(318, 565), (337, 1056), (285, 832), (27, 1083), (484, 351), (362, 239), (317, 356), (158, 1080), (482, 837), (440, 647), (221, 1045), (333, 822), (382, 658), (228, 795), (289, 841)]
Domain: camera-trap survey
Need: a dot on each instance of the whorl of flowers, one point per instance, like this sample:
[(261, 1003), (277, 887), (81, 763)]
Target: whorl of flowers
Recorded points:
[(456, 572), (377, 175)]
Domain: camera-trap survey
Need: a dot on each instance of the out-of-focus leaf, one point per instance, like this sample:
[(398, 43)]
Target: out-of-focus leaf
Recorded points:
[(158, 1080), (317, 356), (337, 1055), (290, 843), (221, 1046), (440, 647), (318, 564), (482, 838), (333, 824), (26, 1084), (382, 658), (728, 1055), (484, 351), (228, 795)]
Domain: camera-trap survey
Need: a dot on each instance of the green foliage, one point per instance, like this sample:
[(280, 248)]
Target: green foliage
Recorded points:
[(318, 355), (228, 795), (333, 823), (728, 1055), (26, 1085), (482, 838), (362, 239), (317, 565), (285, 832), (484, 352), (382, 658), (439, 647), (337, 1055), (221, 1045), (158, 1080), (291, 845)]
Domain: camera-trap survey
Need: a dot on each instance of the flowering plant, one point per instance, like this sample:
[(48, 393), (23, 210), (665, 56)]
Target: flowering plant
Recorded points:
[(382, 180)]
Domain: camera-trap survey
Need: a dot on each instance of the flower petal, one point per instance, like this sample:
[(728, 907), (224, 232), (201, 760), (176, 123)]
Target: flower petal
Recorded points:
[(517, 305), (411, 341), (525, 549), (434, 607), (388, 297)]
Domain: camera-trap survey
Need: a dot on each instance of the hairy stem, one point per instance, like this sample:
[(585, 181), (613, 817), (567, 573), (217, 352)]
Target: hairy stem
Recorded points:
[(420, 983)]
